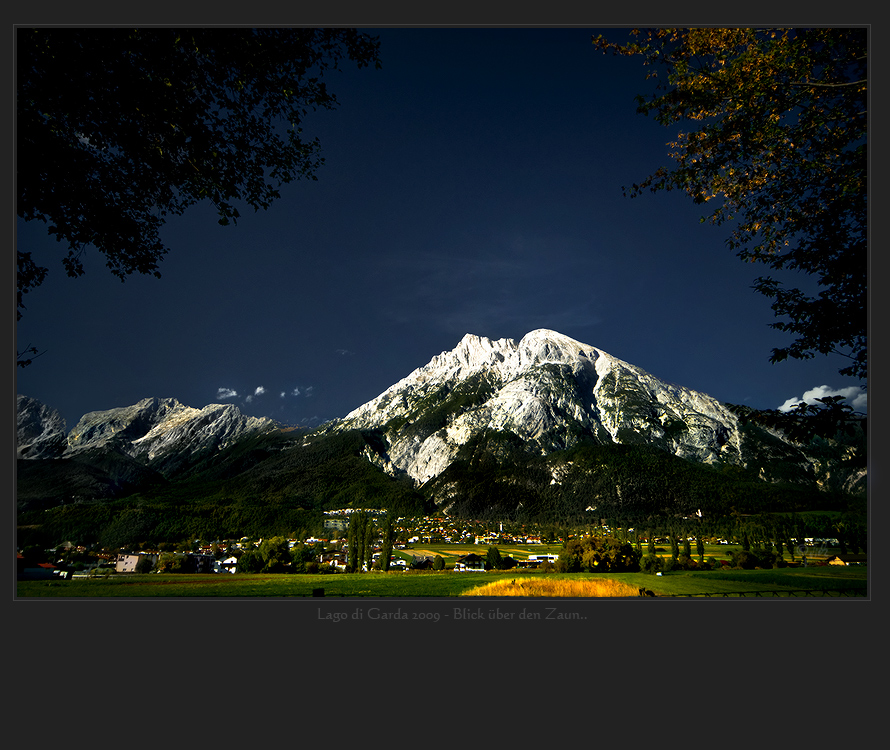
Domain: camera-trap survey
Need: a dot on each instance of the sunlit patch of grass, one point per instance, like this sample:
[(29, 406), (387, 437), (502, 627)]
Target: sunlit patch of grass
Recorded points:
[(558, 587)]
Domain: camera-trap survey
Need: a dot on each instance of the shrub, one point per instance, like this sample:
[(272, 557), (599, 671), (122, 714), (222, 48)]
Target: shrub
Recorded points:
[(145, 565), (744, 560), (651, 564)]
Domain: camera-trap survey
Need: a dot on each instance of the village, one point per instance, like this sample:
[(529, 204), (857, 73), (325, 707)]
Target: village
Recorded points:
[(418, 544), (326, 552)]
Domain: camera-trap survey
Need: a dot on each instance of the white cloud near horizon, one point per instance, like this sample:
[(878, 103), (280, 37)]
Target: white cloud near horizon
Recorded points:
[(855, 396), (224, 393), (258, 392)]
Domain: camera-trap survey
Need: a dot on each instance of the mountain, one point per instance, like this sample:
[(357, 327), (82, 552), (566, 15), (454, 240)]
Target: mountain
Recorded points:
[(548, 390), (159, 431), (544, 429), (164, 433), (526, 403), (40, 429), (112, 453)]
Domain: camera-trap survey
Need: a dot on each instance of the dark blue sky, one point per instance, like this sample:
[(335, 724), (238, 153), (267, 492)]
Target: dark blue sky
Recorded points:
[(472, 185)]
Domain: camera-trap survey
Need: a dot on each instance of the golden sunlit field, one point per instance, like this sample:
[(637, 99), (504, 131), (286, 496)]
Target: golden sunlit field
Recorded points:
[(562, 587)]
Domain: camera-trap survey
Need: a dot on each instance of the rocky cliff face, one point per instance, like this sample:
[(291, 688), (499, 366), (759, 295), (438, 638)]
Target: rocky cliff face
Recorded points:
[(150, 430), (155, 427), (546, 427), (40, 429), (550, 391)]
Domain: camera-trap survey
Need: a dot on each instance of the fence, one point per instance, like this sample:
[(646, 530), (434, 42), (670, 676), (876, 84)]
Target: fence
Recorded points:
[(836, 593)]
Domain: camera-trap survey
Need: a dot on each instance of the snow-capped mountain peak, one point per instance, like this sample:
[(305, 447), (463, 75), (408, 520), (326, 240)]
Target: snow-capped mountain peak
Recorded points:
[(550, 391)]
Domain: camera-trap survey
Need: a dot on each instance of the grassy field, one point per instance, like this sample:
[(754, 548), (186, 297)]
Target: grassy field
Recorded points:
[(548, 586), (442, 584)]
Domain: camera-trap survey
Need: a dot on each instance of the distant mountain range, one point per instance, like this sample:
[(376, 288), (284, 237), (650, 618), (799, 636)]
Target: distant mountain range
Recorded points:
[(546, 426)]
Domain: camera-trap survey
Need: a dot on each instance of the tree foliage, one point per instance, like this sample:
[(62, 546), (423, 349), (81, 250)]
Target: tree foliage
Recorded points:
[(119, 128), (360, 535), (388, 541), (777, 143), (829, 417), (275, 554), (598, 555)]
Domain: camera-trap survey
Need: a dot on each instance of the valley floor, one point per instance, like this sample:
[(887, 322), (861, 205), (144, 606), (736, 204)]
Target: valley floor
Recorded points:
[(835, 581)]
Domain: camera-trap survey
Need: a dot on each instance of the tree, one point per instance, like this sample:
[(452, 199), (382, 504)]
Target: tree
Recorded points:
[(360, 535), (250, 562), (172, 563), (830, 417), (493, 559), (438, 562), (275, 554), (675, 545), (598, 554), (118, 128), (570, 557), (778, 141), (387, 542), (301, 555), (352, 545)]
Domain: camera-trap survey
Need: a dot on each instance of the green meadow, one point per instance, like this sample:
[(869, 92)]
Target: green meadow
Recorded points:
[(818, 581)]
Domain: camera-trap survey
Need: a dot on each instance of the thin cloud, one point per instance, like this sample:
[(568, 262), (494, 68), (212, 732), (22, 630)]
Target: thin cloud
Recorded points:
[(226, 393), (297, 391), (258, 392), (855, 396)]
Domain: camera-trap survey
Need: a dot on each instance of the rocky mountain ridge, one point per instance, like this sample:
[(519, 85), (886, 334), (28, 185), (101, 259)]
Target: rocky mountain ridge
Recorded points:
[(550, 391), (547, 426), (40, 429), (149, 431)]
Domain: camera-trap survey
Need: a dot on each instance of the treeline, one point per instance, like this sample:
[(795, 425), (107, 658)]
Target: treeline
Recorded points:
[(125, 523), (765, 541), (778, 532)]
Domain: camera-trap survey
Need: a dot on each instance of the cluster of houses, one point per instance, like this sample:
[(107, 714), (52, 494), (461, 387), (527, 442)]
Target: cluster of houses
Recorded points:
[(333, 550)]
